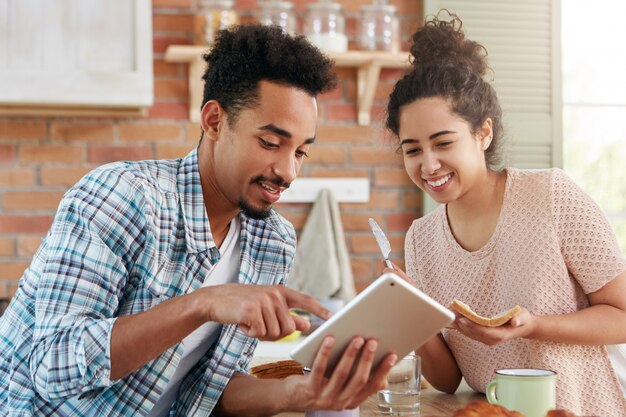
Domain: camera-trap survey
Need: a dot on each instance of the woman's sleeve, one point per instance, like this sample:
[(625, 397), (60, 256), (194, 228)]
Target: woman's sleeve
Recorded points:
[(588, 244)]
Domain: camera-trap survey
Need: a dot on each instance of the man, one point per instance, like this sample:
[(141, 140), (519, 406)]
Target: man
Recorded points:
[(156, 279)]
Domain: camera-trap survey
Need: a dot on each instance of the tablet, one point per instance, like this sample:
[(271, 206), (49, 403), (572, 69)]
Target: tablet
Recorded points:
[(398, 315)]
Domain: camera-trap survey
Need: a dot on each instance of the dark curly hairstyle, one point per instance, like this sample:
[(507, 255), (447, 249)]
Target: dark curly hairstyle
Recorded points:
[(244, 55), (447, 64)]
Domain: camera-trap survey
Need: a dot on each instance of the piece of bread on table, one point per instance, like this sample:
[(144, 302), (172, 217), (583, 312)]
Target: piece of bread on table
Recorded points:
[(484, 409), (560, 413), (277, 370), (495, 321)]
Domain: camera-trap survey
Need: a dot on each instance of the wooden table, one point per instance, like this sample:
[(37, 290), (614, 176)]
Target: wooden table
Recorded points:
[(432, 404)]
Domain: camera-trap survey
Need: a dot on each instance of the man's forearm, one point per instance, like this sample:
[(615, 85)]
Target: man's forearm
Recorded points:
[(137, 339), (246, 395)]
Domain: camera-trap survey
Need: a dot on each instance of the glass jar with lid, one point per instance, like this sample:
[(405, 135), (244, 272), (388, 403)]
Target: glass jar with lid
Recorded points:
[(379, 27), (278, 12), (214, 15), (324, 26)]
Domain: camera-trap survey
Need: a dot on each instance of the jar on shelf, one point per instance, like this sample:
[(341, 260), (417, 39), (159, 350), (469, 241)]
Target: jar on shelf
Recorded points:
[(379, 29), (214, 15), (324, 26), (277, 12)]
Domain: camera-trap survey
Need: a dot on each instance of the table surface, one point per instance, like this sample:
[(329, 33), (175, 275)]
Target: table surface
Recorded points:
[(433, 403)]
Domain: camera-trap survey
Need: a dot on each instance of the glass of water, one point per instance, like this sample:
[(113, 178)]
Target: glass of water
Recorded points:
[(402, 395)]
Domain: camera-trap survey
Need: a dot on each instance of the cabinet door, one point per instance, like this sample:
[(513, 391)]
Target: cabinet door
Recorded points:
[(76, 53)]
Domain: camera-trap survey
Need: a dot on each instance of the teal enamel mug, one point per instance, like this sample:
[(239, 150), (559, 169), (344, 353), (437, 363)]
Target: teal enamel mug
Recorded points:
[(532, 392)]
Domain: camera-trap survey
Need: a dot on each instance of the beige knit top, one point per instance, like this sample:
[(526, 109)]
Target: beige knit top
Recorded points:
[(551, 246)]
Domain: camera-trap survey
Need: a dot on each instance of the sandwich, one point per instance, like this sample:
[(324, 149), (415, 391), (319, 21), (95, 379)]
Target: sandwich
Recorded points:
[(494, 321)]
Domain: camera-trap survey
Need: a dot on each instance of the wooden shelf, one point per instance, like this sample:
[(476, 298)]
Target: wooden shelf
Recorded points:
[(368, 66)]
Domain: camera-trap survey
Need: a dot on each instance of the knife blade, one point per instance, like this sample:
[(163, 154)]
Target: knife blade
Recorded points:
[(382, 241)]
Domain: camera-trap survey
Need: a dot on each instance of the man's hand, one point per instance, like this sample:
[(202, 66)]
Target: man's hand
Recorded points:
[(260, 311), (519, 326), (341, 390)]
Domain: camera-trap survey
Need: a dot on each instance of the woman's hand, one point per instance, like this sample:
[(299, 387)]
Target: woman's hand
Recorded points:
[(522, 325), (396, 270)]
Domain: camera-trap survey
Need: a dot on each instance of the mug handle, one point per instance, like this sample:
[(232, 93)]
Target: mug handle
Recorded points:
[(491, 392)]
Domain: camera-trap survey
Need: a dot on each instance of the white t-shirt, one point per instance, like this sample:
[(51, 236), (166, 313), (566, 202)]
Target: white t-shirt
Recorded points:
[(200, 340)]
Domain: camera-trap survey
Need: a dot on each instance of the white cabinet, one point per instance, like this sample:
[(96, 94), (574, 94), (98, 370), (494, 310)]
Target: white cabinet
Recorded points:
[(75, 54)]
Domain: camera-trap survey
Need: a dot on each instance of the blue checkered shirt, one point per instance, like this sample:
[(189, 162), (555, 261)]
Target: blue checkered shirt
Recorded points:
[(126, 237)]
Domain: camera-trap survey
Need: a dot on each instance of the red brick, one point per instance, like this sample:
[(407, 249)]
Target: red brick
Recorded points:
[(71, 132), (297, 219), (412, 199), (345, 134), (378, 200), (350, 91), (24, 224), (27, 245), (12, 270), (246, 5), (338, 172), (167, 110), (17, 176), (391, 176), (179, 4), (50, 154), (7, 247), (160, 43), (363, 243), (362, 268), (171, 88), (320, 154), (7, 153), (172, 151), (149, 132), (194, 130), (164, 69), (383, 90), (391, 74), (172, 22), (401, 222), (374, 155), (22, 130), (62, 176), (358, 221), (31, 200), (341, 112), (104, 154), (335, 94)]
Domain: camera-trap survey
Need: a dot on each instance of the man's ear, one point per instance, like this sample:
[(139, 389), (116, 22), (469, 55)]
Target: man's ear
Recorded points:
[(210, 118)]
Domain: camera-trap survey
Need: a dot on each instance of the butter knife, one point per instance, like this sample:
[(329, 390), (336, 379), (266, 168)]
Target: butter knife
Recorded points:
[(383, 242)]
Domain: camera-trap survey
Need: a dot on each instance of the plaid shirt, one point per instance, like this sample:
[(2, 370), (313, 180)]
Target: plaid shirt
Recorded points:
[(125, 238)]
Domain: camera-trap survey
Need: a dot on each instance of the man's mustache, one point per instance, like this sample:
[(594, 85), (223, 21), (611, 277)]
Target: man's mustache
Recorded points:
[(277, 181)]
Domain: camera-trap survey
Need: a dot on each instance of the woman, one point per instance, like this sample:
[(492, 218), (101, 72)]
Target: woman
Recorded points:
[(504, 237)]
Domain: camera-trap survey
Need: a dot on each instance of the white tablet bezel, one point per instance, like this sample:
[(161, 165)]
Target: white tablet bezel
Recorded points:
[(398, 315)]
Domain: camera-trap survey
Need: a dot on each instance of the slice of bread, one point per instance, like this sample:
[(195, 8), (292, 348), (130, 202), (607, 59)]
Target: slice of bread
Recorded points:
[(494, 321), (277, 370)]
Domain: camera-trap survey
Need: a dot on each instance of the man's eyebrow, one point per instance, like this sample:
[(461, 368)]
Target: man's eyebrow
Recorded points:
[(282, 132), (275, 129), (431, 137)]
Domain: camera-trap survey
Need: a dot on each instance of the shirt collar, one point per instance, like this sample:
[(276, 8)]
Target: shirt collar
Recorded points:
[(197, 228)]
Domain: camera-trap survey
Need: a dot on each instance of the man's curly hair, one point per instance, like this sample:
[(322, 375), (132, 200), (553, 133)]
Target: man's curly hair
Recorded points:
[(244, 55)]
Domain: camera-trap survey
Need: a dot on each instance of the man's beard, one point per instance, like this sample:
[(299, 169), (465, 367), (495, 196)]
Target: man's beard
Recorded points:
[(253, 212), (257, 213)]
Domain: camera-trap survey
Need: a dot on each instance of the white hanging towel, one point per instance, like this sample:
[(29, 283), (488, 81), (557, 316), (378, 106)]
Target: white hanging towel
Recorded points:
[(322, 267)]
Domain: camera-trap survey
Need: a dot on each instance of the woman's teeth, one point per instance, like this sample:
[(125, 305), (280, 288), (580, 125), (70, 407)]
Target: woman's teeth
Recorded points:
[(440, 181)]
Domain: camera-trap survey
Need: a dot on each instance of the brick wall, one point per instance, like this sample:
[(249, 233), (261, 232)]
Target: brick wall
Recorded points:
[(40, 157)]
